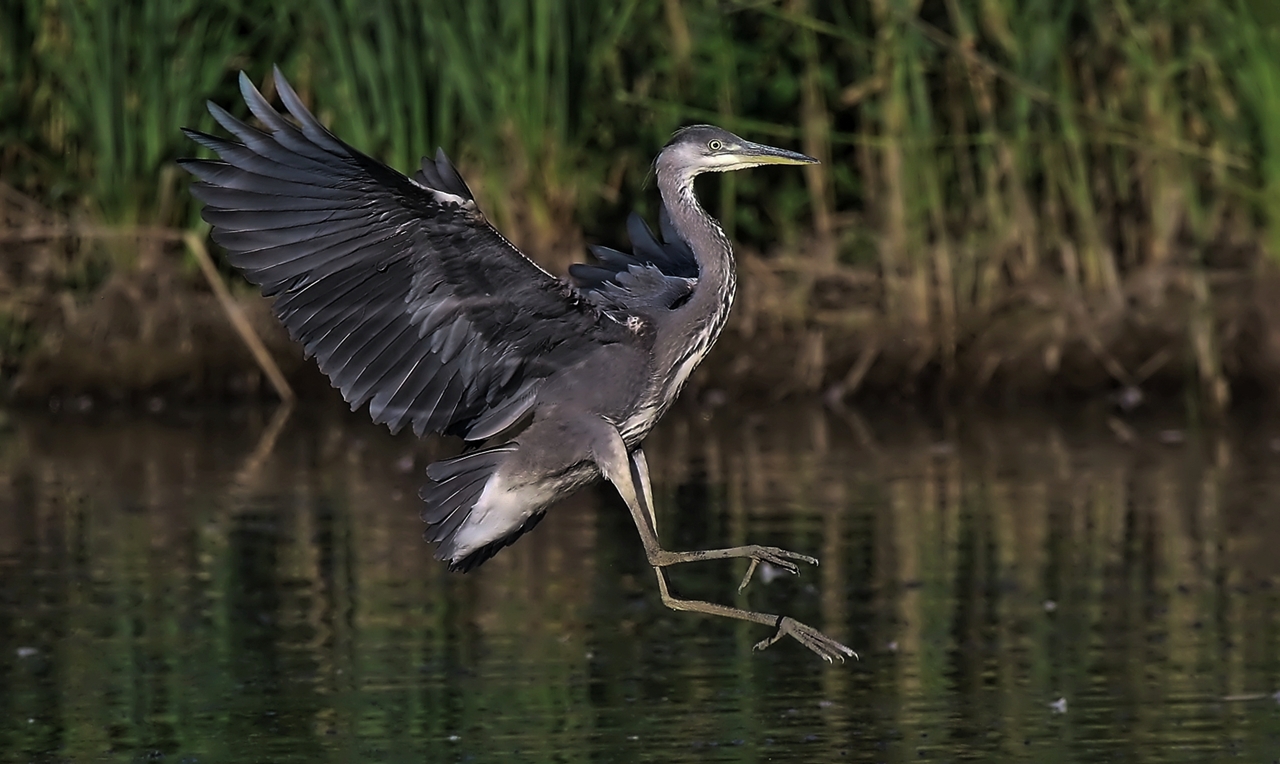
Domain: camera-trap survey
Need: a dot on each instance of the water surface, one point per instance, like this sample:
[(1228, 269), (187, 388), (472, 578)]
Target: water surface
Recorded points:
[(222, 586)]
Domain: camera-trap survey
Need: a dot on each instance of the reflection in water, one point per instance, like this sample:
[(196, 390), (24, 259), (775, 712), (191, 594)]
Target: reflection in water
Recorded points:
[(194, 588)]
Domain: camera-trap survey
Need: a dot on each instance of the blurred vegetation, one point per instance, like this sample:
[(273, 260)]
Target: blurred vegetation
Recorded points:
[(973, 149)]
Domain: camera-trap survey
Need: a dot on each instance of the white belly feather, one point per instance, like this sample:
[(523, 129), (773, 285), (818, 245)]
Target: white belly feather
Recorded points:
[(499, 511)]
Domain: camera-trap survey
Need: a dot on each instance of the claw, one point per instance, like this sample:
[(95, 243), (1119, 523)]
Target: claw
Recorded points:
[(827, 648), (777, 557), (746, 577)]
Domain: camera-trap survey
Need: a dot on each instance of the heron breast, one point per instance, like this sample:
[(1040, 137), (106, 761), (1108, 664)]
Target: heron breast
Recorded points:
[(683, 371), (658, 400), (641, 421)]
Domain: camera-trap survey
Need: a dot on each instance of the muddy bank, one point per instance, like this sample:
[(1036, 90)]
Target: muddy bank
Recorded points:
[(154, 332), (121, 318), (1214, 334)]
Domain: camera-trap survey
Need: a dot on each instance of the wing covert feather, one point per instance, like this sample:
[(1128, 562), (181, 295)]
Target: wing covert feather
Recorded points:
[(400, 289), (655, 275)]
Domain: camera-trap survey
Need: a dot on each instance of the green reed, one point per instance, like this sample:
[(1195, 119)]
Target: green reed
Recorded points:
[(1258, 79), (979, 146), (502, 86), (110, 82)]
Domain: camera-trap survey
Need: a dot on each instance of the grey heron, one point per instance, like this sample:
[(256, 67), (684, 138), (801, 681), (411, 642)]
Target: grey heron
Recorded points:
[(412, 303)]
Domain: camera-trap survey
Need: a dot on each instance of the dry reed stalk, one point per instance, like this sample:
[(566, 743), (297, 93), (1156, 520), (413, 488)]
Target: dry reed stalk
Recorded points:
[(903, 298), (46, 232), (681, 38), (1099, 270), (241, 324), (1000, 171), (1215, 390), (815, 122), (848, 387)]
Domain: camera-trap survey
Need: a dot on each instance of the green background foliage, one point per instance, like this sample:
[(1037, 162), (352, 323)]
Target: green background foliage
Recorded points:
[(970, 147), (938, 118)]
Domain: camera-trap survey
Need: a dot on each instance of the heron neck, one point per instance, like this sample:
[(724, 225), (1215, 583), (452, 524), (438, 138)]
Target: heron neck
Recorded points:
[(717, 278)]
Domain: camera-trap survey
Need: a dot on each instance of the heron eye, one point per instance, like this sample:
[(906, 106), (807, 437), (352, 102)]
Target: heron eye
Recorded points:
[(714, 144)]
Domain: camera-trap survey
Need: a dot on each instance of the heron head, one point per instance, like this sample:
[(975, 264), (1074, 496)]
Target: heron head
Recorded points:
[(704, 148)]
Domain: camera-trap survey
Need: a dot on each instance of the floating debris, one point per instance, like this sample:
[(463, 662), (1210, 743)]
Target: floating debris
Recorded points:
[(1123, 433), (1248, 697), (768, 573), (1128, 398)]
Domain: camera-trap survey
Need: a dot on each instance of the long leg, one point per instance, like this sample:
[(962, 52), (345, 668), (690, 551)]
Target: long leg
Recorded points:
[(661, 558), (624, 472), (640, 474)]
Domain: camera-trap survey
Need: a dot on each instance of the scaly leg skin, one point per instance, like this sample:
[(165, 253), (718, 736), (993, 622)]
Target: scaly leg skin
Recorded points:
[(809, 637), (640, 475), (827, 648), (662, 558), (629, 474)]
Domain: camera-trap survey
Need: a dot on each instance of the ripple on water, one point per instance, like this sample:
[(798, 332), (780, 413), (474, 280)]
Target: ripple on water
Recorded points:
[(178, 590)]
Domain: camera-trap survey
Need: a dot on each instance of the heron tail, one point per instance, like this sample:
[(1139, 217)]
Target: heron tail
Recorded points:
[(456, 485)]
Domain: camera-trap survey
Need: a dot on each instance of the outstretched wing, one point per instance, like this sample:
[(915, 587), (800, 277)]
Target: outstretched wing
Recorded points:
[(405, 295), (656, 275)]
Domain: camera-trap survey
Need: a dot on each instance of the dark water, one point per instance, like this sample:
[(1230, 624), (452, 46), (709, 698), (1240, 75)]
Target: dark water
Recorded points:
[(222, 587)]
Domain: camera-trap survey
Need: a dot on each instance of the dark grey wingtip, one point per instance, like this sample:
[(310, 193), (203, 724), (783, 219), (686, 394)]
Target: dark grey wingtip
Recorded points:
[(290, 97), (257, 102), (204, 139), (638, 230), (230, 123)]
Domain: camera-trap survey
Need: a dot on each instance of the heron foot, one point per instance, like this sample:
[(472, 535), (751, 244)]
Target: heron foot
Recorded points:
[(827, 648), (779, 558)]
